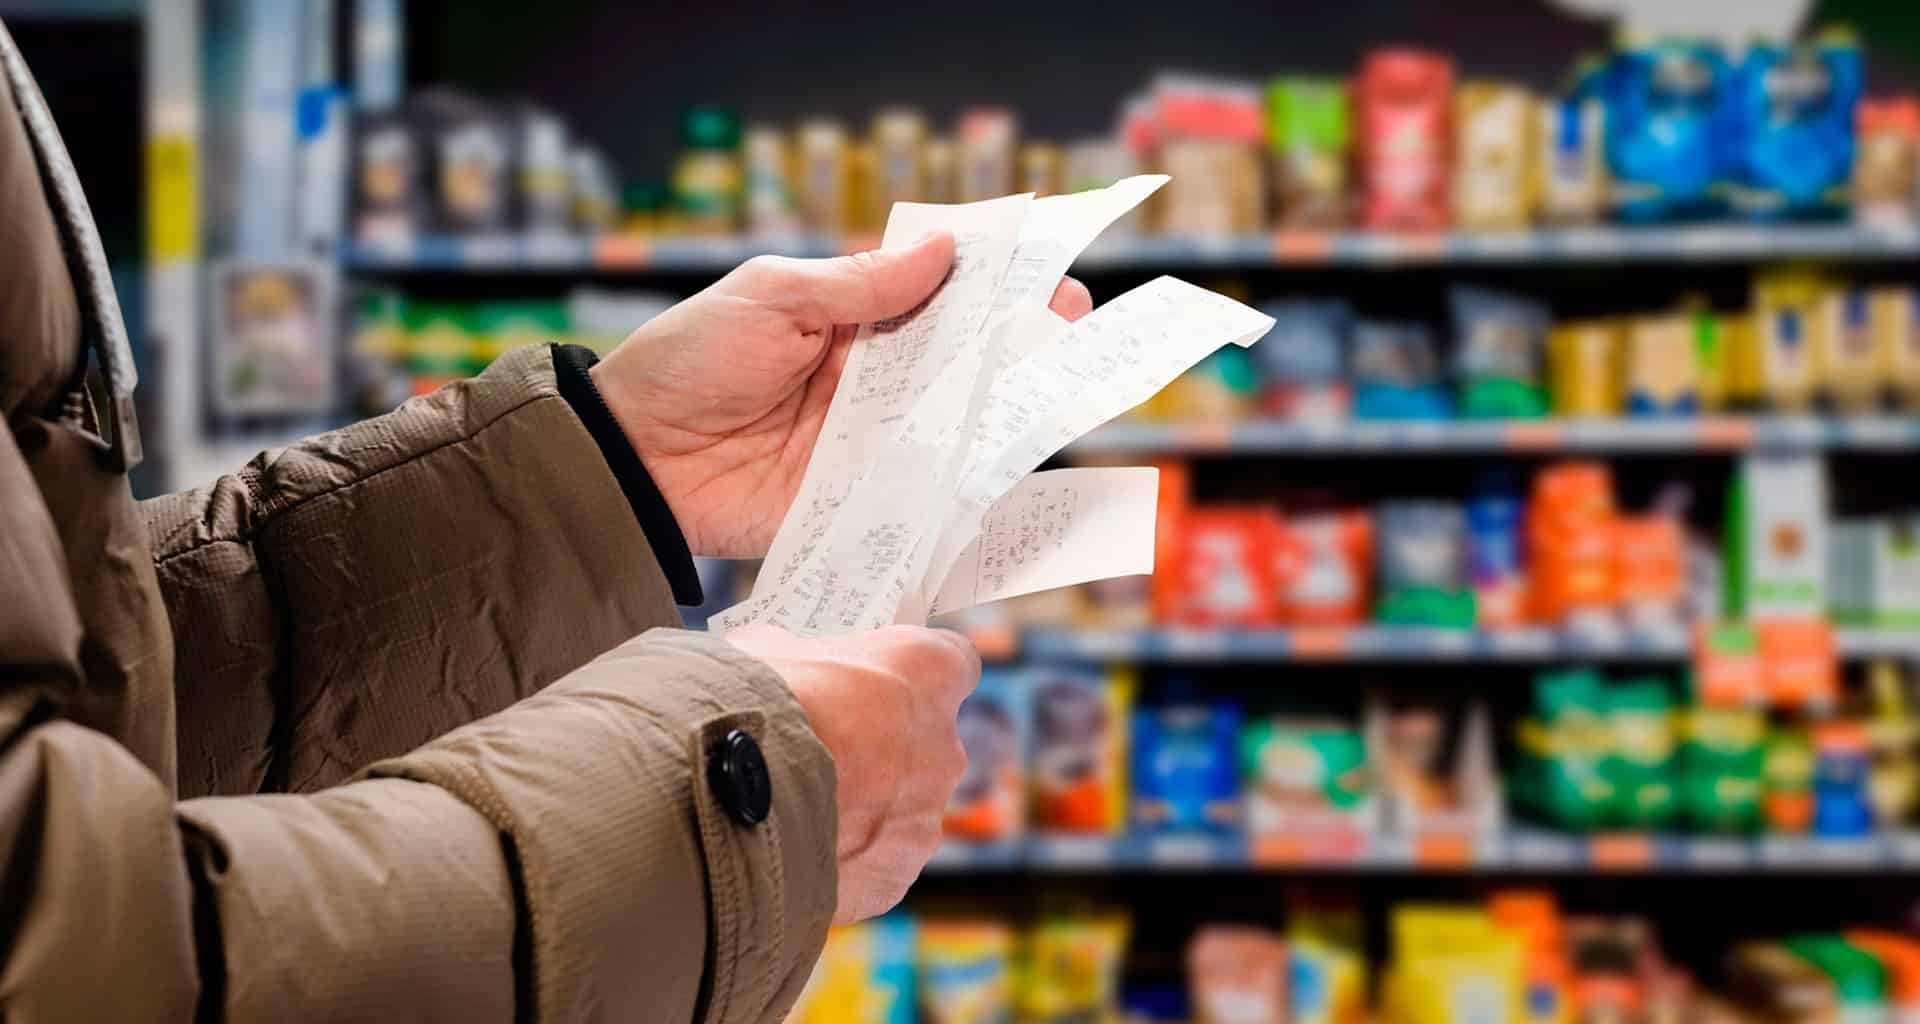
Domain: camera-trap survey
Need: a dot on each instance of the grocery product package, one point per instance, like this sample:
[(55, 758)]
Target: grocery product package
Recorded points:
[(1070, 969), (1079, 760), (1402, 103), (1500, 342), (966, 972), (1237, 975), (990, 802), (1306, 776), (1186, 774), (865, 973)]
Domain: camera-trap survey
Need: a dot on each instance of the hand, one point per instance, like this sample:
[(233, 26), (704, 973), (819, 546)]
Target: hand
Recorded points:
[(884, 704), (723, 395)]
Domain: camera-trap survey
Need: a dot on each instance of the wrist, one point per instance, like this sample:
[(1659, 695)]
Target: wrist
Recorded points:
[(643, 436)]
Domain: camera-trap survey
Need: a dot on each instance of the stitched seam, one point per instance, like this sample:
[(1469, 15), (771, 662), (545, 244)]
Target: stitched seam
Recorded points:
[(776, 876), (269, 512)]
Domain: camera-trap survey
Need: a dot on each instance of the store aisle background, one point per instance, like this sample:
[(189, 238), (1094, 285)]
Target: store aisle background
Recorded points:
[(1536, 624)]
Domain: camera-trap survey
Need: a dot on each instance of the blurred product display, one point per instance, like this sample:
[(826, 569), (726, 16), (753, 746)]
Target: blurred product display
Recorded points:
[(1516, 957), (1661, 131)]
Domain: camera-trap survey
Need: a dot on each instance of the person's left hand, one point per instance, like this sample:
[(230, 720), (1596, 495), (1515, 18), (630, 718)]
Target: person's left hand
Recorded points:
[(723, 395)]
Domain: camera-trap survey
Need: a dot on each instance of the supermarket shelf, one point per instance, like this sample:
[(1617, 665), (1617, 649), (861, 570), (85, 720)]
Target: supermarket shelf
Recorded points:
[(1514, 850), (1419, 437), (1399, 643), (1701, 244)]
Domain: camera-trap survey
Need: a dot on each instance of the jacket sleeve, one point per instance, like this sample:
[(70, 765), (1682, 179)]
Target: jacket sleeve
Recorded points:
[(562, 859), (357, 594)]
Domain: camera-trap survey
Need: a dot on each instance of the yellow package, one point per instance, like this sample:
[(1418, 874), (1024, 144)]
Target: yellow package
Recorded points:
[(966, 972), (1746, 380), (1452, 966), (1789, 324), (1896, 330), (1711, 348), (1070, 971), (1326, 967), (864, 976), (822, 182), (1582, 367), (1852, 365), (1661, 369), (1492, 185)]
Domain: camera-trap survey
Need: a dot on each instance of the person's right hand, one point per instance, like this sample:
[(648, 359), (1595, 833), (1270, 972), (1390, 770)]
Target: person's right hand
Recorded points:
[(884, 704)]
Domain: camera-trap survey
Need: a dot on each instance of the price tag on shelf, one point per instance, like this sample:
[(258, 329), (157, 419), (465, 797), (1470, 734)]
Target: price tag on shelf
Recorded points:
[(1203, 435), (1785, 852), (1540, 435), (1530, 850), (486, 250), (1526, 642), (1904, 849), (1312, 643), (1620, 852), (1183, 851), (1833, 852), (1197, 643), (1278, 851), (621, 251), (1711, 854), (1443, 851), (1074, 851), (1302, 246), (1724, 433)]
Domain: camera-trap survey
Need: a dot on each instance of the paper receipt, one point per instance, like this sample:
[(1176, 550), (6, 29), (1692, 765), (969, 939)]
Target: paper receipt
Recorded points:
[(920, 495)]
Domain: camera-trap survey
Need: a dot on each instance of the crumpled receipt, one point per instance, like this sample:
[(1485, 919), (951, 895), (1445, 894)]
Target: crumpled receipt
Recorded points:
[(921, 496)]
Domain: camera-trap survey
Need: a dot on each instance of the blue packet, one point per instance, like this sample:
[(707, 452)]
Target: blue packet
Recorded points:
[(1795, 110), (1396, 372), (1669, 128), (1184, 775)]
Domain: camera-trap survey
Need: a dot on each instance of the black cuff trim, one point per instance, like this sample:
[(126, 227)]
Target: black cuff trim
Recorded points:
[(570, 366)]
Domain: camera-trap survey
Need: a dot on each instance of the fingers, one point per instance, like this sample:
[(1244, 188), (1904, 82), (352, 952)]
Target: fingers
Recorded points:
[(1071, 299), (856, 289), (939, 659)]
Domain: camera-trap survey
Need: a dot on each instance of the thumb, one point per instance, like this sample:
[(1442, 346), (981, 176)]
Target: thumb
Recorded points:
[(871, 285)]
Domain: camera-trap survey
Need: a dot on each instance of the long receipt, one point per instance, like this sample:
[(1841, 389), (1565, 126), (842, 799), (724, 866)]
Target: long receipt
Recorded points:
[(921, 495)]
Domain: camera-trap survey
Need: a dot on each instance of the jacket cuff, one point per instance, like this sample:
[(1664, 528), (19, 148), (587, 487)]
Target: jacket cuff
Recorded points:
[(636, 881), (570, 366)]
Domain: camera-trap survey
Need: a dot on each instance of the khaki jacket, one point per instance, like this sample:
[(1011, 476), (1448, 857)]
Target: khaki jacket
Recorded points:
[(430, 771)]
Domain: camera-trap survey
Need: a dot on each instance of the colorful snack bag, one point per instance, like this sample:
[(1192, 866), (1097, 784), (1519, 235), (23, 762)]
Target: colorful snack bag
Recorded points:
[(1396, 373), (1326, 966), (1649, 572), (1185, 776), (1895, 314), (1722, 764), (1640, 766), (1402, 100), (1789, 333), (1423, 564), (966, 972), (1226, 566), (1534, 916), (1237, 976), (1787, 777), (1886, 165), (1325, 568), (1668, 119), (1500, 341), (1841, 761), (1572, 160), (1452, 966), (1852, 365), (1303, 359), (1307, 129), (1495, 564), (1071, 970), (1661, 366), (865, 973), (1304, 776), (1559, 775), (1583, 360), (1570, 537), (1079, 750), (990, 802), (1795, 114), (1492, 179)]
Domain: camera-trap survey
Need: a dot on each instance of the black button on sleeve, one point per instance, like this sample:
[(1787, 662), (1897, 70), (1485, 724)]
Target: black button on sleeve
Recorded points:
[(738, 774)]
